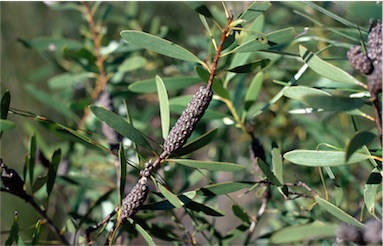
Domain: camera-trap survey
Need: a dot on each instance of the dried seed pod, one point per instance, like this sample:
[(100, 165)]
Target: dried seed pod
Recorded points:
[(134, 200), (359, 60), (375, 54), (188, 120)]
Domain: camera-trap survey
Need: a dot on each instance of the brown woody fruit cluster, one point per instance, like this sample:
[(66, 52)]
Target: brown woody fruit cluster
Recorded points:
[(134, 200), (188, 120)]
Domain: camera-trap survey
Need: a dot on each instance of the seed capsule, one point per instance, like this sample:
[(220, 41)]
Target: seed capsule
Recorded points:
[(188, 120), (134, 200)]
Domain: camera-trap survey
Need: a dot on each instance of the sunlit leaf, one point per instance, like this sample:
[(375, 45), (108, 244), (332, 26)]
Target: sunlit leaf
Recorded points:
[(120, 125), (300, 92), (132, 63), (358, 141), (306, 232), (276, 158), (223, 188), (254, 10), (52, 171), (172, 198), (197, 143), (159, 45), (321, 158), (164, 106), (324, 68), (209, 165), (148, 239), (337, 212), (253, 90), (173, 83), (371, 189)]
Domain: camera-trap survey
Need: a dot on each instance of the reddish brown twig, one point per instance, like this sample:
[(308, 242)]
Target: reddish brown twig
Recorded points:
[(219, 49)]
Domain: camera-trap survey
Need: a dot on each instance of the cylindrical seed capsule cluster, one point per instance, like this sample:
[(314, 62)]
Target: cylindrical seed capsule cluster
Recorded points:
[(375, 54), (188, 120), (359, 60), (134, 200)]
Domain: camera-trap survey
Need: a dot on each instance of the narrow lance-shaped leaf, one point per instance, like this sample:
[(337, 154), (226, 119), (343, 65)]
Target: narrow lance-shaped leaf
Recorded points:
[(36, 233), (223, 188), (5, 102), (172, 198), (254, 10), (371, 190), (267, 172), (32, 159), (159, 45), (198, 143), (174, 83), (326, 69), (164, 106), (209, 165), (52, 171), (306, 232), (143, 233), (13, 236), (253, 90), (120, 125), (277, 162), (121, 155), (6, 125), (322, 158), (337, 212), (199, 7), (250, 67)]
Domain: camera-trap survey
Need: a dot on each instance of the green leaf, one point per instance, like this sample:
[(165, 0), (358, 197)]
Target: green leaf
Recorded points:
[(5, 102), (13, 236), (337, 212), (253, 90), (223, 188), (200, 8), (40, 181), (32, 158), (164, 106), (66, 80), (217, 85), (321, 158), (36, 233), (276, 158), (52, 171), (51, 44), (51, 102), (6, 125), (143, 233), (174, 83), (303, 233), (247, 68), (121, 157), (120, 125), (267, 172), (300, 92), (371, 190), (326, 69), (358, 141), (197, 143), (209, 165), (204, 208), (254, 10), (159, 45), (131, 64), (172, 198), (334, 103), (241, 214), (266, 41)]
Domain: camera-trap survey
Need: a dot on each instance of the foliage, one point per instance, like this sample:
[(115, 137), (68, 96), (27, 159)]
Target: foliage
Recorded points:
[(280, 88)]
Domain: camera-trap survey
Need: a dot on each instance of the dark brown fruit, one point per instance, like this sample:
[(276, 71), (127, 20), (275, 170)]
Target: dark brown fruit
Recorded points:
[(188, 120)]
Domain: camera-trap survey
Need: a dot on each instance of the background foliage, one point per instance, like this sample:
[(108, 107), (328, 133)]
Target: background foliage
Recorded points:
[(49, 65)]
